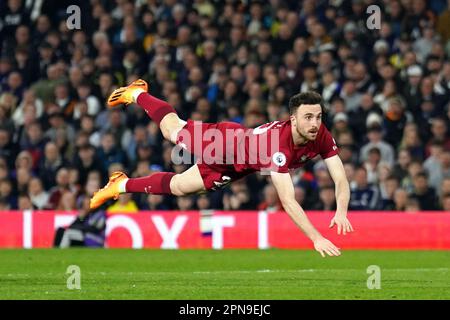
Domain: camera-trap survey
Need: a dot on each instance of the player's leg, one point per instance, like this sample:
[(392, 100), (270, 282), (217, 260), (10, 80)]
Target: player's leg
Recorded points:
[(158, 110), (188, 182), (182, 184)]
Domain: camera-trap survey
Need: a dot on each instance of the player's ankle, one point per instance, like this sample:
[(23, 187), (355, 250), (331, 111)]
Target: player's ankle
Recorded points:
[(122, 185), (136, 94)]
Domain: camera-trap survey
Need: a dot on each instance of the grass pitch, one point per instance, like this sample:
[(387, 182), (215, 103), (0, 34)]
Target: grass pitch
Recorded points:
[(227, 274)]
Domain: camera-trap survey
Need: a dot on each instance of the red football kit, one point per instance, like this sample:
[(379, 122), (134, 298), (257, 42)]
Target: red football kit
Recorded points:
[(228, 151)]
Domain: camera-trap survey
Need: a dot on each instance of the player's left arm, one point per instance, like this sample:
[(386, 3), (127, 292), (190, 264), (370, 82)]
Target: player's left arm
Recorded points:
[(285, 189), (336, 169)]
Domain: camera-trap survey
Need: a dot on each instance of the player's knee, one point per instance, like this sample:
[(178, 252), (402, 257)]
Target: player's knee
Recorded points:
[(170, 127), (175, 186), (167, 133)]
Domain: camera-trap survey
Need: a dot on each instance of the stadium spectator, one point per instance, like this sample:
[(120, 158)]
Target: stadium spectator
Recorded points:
[(33, 141), (411, 90), (23, 176), (88, 229), (412, 205), (116, 126), (203, 202), (300, 194), (374, 135), (424, 194), (445, 202), (6, 194), (28, 98), (109, 152), (140, 136), (439, 131), (86, 161), (433, 165), (24, 202), (50, 163), (38, 196), (400, 199), (125, 204), (395, 121), (185, 203), (327, 199), (364, 196), (411, 141), (238, 198), (58, 125), (67, 201), (62, 186), (340, 124), (372, 165), (445, 186), (92, 184), (87, 126), (8, 149), (154, 202), (23, 160), (387, 190), (4, 170), (271, 201), (404, 159)]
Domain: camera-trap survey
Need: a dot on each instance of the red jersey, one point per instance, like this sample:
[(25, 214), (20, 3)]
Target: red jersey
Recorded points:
[(228, 151), (280, 153)]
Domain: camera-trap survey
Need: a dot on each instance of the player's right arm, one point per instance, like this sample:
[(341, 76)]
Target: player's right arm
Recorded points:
[(285, 189)]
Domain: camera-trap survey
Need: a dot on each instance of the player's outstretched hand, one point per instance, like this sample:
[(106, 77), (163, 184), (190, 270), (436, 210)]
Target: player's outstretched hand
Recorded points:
[(325, 246), (342, 223)]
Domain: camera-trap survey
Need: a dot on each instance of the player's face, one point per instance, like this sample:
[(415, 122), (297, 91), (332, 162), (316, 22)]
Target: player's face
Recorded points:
[(307, 121)]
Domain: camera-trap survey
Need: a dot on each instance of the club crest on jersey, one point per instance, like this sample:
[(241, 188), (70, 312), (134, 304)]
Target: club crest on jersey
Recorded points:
[(279, 159)]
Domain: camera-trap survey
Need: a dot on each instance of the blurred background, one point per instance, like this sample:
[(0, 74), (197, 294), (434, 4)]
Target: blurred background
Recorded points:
[(386, 91)]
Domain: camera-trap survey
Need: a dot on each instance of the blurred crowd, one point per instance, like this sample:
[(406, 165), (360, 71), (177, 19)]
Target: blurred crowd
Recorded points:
[(386, 91)]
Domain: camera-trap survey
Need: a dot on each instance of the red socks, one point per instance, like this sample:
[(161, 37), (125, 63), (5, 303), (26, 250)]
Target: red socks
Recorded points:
[(156, 183), (159, 182), (154, 107)]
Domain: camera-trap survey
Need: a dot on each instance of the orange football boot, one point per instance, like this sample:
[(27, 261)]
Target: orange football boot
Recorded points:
[(124, 95), (111, 190)]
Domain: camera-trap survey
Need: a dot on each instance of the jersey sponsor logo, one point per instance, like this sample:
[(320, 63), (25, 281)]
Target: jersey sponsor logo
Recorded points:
[(279, 159)]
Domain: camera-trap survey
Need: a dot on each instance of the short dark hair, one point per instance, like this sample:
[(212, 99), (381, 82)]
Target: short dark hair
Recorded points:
[(393, 177), (309, 97), (436, 143), (421, 174), (375, 150), (326, 187)]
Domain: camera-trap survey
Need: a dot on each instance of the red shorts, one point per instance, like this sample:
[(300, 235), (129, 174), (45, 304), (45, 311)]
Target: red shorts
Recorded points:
[(196, 136), (218, 176)]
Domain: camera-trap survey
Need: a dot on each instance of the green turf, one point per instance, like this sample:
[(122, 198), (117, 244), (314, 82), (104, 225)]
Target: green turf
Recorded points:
[(227, 274)]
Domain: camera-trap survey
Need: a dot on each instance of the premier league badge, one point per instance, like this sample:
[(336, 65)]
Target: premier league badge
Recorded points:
[(279, 159)]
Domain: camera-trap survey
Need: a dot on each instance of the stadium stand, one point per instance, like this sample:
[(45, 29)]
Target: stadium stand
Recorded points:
[(386, 91)]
